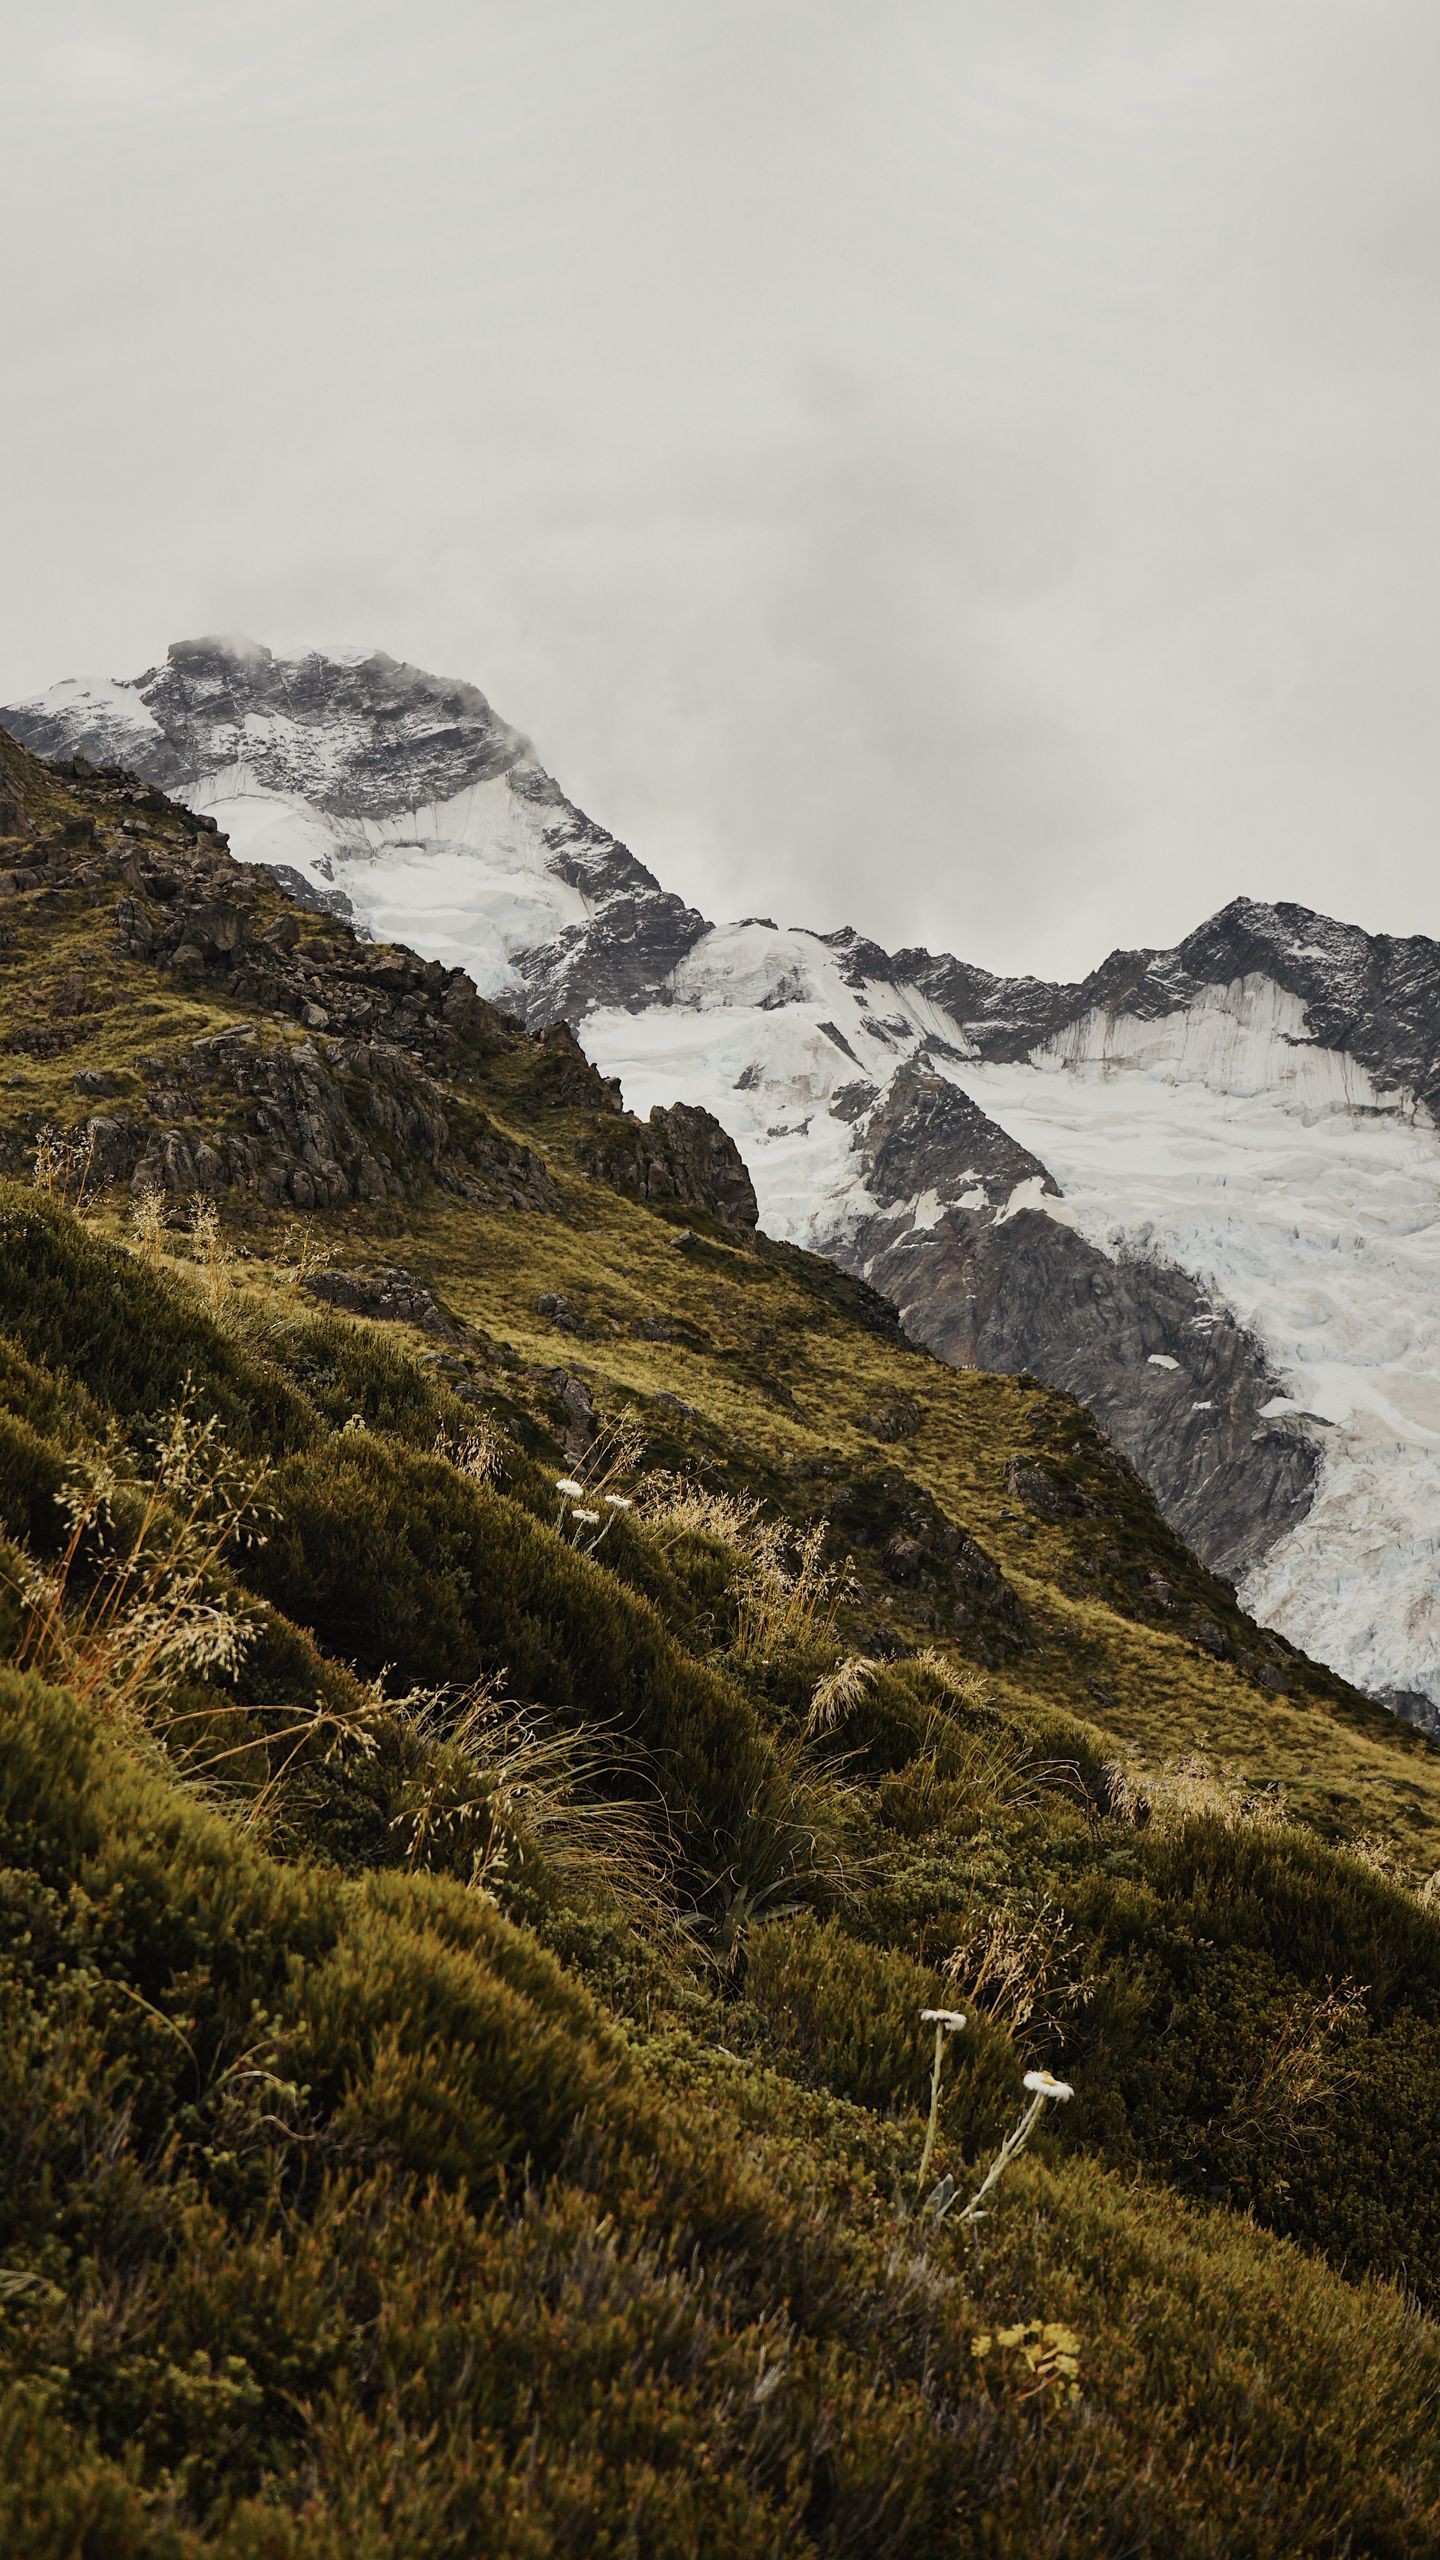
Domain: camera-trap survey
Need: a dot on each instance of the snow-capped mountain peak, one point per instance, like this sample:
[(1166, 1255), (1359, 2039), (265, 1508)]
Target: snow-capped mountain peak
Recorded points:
[(1197, 1188)]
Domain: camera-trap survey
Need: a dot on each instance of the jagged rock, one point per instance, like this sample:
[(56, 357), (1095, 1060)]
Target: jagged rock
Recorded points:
[(571, 1082), (558, 1311), (390, 1296), (681, 1154), (321, 1123), (110, 1146), (704, 1164), (900, 1419), (622, 955), (579, 1421), (925, 1135), (1043, 1490), (307, 893)]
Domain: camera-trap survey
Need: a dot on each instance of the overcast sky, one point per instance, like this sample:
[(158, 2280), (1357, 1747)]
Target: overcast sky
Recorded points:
[(966, 467)]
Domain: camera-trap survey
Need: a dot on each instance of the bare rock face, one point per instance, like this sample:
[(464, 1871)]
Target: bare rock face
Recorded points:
[(704, 1164), (1175, 1381), (320, 1123), (680, 1154), (926, 1135), (361, 735), (624, 955), (571, 1083), (312, 1123), (1374, 996)]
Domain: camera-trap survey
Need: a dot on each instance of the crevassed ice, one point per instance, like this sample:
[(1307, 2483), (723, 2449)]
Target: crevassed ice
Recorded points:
[(1289, 1183)]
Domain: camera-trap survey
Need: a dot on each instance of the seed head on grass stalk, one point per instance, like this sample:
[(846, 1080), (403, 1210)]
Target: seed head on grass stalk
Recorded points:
[(63, 1163), (132, 1607)]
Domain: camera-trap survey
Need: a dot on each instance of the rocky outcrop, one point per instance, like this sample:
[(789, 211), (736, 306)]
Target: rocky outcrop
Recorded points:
[(949, 1581), (317, 1123), (1375, 997), (926, 1136), (623, 955), (388, 1297), (313, 1123), (209, 920), (680, 1154)]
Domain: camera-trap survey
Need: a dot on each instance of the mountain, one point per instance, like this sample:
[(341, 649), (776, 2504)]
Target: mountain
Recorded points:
[(1197, 1189), (521, 1696)]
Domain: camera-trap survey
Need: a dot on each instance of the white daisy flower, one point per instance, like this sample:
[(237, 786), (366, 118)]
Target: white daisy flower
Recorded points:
[(619, 1501), (568, 1485), (951, 2019), (1045, 2085), (589, 1517)]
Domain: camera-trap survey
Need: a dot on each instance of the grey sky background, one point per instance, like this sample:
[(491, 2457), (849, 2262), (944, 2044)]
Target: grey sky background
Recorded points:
[(970, 468)]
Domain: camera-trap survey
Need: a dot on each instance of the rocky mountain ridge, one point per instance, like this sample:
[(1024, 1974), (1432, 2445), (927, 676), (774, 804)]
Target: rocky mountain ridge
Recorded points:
[(341, 1088), (1196, 1188)]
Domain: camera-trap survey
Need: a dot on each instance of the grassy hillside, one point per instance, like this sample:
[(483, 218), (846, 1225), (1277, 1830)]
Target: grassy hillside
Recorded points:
[(464, 1938)]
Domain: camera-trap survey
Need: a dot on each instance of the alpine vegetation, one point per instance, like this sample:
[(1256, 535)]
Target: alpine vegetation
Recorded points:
[(946, 2022), (1046, 2091), (518, 1689), (1136, 1187)]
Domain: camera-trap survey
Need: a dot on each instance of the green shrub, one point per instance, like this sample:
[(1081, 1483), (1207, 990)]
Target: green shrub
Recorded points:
[(137, 1339), (401, 1566), (850, 2013)]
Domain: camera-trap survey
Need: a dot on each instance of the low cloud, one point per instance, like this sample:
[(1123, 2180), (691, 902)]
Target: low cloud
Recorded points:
[(964, 472)]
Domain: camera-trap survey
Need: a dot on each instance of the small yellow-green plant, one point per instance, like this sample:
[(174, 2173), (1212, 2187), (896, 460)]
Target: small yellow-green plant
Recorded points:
[(1035, 2356)]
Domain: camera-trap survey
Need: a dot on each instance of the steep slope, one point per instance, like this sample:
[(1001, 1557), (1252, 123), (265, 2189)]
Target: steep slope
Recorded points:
[(1220, 1231), (397, 798), (1197, 1189), (461, 1938)]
